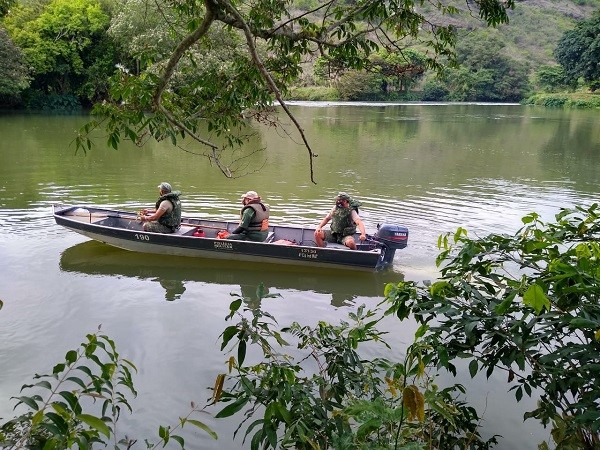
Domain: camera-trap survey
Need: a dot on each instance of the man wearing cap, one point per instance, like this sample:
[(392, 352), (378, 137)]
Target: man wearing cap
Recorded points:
[(166, 218), (344, 220), (254, 219)]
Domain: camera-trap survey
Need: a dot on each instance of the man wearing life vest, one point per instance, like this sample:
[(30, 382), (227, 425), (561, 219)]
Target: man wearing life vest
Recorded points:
[(344, 220), (166, 218), (254, 219)]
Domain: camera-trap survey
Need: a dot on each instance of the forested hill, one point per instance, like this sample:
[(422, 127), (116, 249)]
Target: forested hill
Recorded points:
[(536, 26)]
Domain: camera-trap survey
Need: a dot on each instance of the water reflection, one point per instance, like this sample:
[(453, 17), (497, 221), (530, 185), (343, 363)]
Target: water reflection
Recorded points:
[(173, 273)]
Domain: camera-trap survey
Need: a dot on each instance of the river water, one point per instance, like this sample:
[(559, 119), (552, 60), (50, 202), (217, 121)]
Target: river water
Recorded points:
[(430, 167)]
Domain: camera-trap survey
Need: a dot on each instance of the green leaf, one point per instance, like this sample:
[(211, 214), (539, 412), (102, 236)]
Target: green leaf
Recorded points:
[(44, 384), (95, 423), (163, 432), (241, 356), (536, 298), (71, 356), (77, 381), (28, 401), (473, 368), (580, 322), (179, 439), (503, 307), (230, 410), (58, 369), (204, 427), (228, 335), (235, 305)]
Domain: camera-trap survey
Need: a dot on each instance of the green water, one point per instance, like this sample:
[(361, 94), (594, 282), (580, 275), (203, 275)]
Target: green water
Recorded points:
[(431, 168)]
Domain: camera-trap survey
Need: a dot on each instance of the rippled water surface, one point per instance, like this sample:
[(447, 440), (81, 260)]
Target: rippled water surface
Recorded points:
[(431, 168)]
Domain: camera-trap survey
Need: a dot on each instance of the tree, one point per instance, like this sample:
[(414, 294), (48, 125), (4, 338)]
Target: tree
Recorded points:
[(57, 39), (179, 97), (14, 74), (551, 78), (400, 70), (578, 51), (485, 73), (526, 305)]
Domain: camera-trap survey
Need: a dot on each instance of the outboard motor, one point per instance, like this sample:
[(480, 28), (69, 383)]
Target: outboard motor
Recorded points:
[(391, 238)]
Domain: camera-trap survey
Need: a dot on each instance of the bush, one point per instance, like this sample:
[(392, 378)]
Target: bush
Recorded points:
[(326, 395), (313, 93), (434, 90), (360, 86), (527, 305), (575, 100), (38, 101), (79, 403)]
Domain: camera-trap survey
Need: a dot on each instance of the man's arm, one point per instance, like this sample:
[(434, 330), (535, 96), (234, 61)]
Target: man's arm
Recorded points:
[(361, 226), (245, 222), (155, 215)]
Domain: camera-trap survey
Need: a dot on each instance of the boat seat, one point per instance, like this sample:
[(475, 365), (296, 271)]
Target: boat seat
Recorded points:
[(336, 245), (183, 230)]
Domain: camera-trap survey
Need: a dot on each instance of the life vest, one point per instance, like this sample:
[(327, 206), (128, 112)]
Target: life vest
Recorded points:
[(172, 219), (342, 223), (260, 222)]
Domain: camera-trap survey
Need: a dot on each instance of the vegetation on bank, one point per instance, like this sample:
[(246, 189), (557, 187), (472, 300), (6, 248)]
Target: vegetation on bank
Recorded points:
[(565, 100), (523, 305), (60, 55)]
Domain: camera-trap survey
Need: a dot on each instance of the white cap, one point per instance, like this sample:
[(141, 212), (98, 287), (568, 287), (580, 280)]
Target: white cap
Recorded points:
[(251, 195)]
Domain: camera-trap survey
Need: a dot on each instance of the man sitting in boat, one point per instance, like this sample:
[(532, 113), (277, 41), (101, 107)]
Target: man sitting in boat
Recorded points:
[(166, 218), (344, 220), (254, 219)]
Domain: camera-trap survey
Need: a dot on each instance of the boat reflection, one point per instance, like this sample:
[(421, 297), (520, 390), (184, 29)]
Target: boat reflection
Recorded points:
[(97, 259)]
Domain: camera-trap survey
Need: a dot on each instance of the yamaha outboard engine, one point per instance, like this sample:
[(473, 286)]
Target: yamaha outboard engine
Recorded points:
[(391, 238)]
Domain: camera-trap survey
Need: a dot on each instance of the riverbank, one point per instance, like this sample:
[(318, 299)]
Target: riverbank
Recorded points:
[(583, 100), (579, 100)]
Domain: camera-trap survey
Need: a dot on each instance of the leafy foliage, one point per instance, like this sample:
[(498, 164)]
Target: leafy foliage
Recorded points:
[(57, 39), (59, 419), (5, 6), (551, 78), (80, 402), (578, 51), (328, 396), (485, 72), (526, 305), (14, 74)]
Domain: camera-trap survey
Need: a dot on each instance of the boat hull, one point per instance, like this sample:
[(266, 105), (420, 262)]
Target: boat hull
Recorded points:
[(121, 229)]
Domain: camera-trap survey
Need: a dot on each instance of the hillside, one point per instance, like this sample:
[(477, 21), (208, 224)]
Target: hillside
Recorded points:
[(534, 29), (537, 25)]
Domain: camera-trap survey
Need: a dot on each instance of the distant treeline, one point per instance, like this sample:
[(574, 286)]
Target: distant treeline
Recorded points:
[(61, 55)]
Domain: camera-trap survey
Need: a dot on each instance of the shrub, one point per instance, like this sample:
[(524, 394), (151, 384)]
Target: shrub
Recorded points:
[(527, 305)]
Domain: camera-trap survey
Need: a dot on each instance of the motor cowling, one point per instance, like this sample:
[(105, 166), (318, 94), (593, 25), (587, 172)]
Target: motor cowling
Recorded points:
[(393, 236)]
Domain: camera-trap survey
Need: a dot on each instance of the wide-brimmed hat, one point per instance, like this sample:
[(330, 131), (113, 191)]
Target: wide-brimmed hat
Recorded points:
[(343, 196), (252, 195)]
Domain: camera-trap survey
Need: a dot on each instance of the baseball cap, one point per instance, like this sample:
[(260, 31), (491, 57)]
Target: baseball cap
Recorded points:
[(164, 186)]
